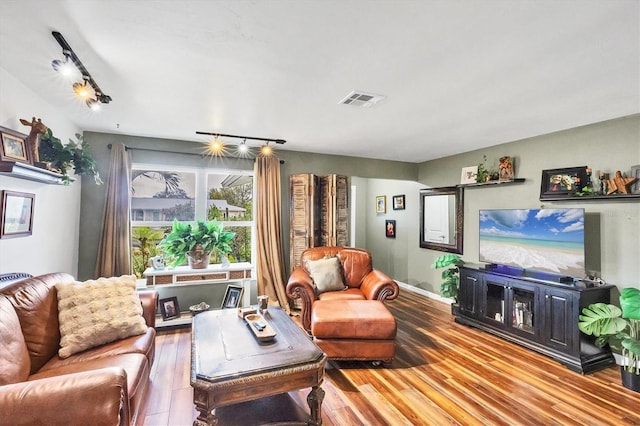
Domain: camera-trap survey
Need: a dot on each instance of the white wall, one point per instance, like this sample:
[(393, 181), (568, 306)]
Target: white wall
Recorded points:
[(53, 247)]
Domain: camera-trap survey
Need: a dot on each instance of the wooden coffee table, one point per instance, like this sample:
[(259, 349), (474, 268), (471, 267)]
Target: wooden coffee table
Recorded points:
[(229, 365)]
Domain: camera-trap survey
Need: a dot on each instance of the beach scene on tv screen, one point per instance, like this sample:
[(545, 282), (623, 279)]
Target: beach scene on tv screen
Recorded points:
[(546, 240)]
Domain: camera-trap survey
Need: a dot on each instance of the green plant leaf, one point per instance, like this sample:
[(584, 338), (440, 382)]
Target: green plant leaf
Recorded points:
[(630, 303), (601, 319)]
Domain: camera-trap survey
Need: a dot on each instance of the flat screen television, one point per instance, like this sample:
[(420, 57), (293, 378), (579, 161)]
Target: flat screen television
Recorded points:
[(542, 240)]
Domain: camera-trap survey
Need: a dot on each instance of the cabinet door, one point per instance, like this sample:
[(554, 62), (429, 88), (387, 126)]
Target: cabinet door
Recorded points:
[(469, 293), (523, 313), (559, 322), (494, 307)]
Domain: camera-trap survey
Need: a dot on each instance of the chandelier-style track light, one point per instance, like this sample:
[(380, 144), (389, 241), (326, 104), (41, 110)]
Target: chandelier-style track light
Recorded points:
[(88, 90), (217, 147)]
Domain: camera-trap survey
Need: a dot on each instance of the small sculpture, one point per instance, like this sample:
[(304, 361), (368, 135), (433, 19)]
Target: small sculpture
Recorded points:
[(37, 128), (506, 168), (619, 183)]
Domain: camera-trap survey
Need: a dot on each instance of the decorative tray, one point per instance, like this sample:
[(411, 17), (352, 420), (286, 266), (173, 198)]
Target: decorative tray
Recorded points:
[(260, 327)]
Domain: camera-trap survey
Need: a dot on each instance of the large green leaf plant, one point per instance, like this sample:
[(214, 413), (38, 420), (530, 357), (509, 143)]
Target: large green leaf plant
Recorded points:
[(450, 276), (618, 327), (185, 237)]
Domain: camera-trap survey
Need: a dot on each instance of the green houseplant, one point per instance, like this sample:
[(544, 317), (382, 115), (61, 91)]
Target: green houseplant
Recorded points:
[(450, 276), (620, 329), (196, 241), (73, 155)]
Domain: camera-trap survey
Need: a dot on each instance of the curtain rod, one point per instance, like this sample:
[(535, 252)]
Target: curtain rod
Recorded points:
[(129, 148)]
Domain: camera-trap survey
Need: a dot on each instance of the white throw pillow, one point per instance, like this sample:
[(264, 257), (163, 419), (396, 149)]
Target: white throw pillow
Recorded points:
[(97, 312), (326, 274)]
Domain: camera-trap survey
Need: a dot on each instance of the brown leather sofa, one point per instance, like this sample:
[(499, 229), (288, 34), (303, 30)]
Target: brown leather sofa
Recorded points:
[(104, 385), (351, 323)]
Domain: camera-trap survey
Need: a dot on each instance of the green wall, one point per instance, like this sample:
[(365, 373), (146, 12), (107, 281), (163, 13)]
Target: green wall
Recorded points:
[(295, 162), (613, 227)]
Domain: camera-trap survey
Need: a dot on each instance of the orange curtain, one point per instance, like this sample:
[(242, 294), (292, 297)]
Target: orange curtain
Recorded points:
[(270, 248), (114, 249)]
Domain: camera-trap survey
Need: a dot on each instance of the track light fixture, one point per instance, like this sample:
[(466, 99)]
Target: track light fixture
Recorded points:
[(83, 90), (218, 148)]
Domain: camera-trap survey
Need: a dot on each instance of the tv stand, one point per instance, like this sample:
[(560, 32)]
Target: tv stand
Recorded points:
[(538, 314)]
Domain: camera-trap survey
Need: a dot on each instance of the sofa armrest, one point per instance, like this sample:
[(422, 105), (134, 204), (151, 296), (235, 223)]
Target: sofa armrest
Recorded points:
[(379, 286), (300, 286), (149, 300), (96, 397)]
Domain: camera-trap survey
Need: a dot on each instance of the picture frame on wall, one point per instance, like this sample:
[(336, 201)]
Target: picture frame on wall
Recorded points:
[(169, 308), (390, 228), (232, 297), (468, 175), (14, 146), (398, 202), (635, 172), (381, 204), (558, 183), (17, 214)]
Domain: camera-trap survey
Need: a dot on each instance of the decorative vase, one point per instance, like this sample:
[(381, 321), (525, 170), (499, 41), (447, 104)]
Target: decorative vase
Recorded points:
[(224, 261), (198, 259), (630, 380)]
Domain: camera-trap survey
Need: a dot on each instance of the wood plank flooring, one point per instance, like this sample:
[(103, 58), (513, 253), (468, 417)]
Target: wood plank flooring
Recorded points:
[(444, 374)]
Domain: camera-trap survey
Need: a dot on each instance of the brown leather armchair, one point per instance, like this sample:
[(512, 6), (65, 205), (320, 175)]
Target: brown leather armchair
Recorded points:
[(362, 281)]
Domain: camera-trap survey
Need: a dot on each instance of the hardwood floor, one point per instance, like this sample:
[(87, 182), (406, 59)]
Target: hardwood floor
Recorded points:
[(444, 373)]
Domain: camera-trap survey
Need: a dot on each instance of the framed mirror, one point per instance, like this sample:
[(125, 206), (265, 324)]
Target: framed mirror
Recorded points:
[(442, 218)]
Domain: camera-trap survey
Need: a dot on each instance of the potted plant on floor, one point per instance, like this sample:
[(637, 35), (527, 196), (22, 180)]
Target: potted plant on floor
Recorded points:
[(196, 242), (450, 277), (620, 329)]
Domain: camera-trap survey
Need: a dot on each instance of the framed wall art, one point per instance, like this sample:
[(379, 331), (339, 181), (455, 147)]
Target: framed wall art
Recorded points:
[(635, 172), (381, 204), (14, 146), (398, 202), (468, 174), (232, 297), (557, 183), (390, 228), (17, 214), (169, 308)]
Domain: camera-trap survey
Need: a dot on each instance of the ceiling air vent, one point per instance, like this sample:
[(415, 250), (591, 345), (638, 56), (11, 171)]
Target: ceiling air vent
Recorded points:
[(361, 99)]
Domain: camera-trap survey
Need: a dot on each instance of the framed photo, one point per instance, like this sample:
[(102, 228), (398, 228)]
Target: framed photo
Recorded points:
[(558, 183), (398, 202), (390, 228), (635, 172), (14, 146), (381, 204), (468, 174), (17, 214), (232, 297), (169, 308)]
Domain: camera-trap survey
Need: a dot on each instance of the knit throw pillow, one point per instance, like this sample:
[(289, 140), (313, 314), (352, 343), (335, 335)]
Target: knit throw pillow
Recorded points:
[(96, 312), (326, 274)]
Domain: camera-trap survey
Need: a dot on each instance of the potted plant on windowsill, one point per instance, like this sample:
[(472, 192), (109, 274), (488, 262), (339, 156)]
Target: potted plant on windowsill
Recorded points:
[(620, 329), (450, 277), (196, 242)]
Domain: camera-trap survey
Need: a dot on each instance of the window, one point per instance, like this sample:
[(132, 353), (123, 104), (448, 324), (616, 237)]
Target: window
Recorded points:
[(161, 195)]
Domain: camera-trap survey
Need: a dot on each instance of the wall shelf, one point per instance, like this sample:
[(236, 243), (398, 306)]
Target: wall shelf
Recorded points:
[(29, 172), (491, 183), (613, 197)]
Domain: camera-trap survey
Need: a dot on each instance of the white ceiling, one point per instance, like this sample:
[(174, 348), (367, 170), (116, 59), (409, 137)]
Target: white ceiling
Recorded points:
[(458, 75)]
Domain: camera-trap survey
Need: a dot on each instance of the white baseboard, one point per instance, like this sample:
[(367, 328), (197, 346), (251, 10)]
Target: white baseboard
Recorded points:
[(425, 293)]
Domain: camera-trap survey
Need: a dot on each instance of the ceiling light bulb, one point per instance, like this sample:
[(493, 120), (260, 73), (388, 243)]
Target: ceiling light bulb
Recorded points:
[(81, 90), (266, 150), (243, 148), (93, 104)]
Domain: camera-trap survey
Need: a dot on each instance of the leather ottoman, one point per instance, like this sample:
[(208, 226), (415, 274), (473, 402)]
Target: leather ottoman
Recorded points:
[(354, 329)]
